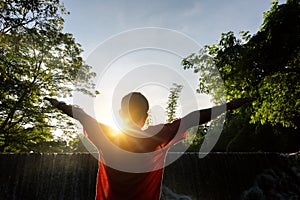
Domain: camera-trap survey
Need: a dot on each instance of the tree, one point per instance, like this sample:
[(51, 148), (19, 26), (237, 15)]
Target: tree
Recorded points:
[(37, 59), (195, 135), (265, 65), (172, 103)]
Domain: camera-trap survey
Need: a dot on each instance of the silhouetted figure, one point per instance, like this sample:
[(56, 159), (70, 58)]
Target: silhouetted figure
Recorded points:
[(131, 162)]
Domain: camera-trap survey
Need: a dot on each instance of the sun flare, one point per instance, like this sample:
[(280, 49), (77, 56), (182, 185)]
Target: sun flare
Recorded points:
[(115, 132)]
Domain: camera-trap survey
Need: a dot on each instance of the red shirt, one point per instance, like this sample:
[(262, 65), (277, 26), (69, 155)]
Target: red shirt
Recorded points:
[(122, 176)]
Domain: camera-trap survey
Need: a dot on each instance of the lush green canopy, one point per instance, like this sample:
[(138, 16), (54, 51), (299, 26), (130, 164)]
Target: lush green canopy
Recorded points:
[(265, 65), (37, 59)]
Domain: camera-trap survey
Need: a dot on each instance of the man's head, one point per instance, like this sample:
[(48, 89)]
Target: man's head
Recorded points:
[(134, 109)]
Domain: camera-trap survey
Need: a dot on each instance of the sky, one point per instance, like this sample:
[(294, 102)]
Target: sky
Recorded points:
[(93, 21), (96, 24)]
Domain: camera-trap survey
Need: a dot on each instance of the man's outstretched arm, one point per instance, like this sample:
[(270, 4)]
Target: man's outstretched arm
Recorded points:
[(203, 116), (89, 123)]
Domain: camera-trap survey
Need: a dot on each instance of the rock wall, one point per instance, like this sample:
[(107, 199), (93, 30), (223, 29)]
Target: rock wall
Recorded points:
[(230, 176), (217, 176)]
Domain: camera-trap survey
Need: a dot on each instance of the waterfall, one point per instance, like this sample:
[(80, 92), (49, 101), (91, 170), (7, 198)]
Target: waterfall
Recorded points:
[(47, 176), (217, 176)]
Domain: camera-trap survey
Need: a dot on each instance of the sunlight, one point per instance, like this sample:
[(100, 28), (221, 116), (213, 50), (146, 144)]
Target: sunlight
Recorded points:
[(108, 120), (115, 133)]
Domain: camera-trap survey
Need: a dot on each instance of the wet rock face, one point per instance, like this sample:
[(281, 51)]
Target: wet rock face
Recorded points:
[(275, 184), (246, 176)]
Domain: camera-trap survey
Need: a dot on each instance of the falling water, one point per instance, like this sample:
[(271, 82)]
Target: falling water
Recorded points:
[(217, 176), (47, 176)]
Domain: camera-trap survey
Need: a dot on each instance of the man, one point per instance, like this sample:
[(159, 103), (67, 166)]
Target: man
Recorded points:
[(131, 163)]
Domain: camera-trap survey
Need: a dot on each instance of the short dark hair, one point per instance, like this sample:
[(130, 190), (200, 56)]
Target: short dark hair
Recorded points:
[(135, 105)]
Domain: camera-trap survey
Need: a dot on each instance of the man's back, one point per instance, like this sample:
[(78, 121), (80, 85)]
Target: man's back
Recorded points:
[(115, 185), (143, 180)]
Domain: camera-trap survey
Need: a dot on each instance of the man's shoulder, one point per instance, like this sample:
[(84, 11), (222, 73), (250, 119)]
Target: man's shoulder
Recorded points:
[(164, 127)]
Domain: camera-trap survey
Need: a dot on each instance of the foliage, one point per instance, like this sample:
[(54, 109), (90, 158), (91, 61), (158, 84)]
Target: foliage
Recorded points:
[(195, 135), (265, 65), (37, 59), (172, 103), (239, 135), (210, 81)]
